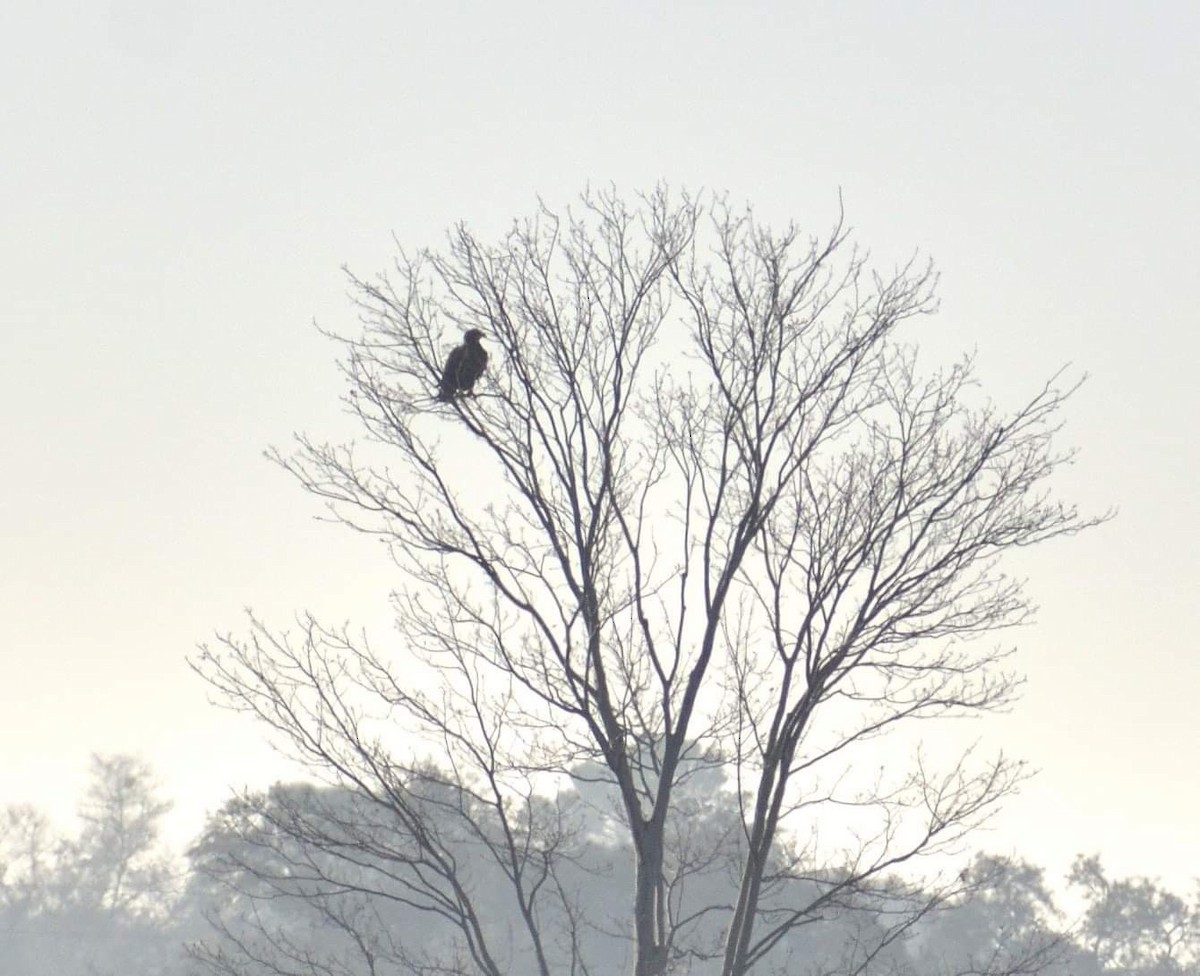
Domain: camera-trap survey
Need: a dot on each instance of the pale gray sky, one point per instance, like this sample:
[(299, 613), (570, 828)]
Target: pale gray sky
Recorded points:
[(179, 185)]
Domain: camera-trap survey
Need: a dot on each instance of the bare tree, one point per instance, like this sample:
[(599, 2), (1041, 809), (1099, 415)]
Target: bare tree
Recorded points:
[(704, 509)]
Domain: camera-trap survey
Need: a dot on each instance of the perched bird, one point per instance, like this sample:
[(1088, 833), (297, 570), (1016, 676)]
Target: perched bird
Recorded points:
[(464, 366)]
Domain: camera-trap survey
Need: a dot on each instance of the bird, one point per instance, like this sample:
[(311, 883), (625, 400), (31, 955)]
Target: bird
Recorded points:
[(464, 366)]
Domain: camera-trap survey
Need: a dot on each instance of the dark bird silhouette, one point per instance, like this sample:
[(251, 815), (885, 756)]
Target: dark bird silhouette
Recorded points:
[(464, 366)]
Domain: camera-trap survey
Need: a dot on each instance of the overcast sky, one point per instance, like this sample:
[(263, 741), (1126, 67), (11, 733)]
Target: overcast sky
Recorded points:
[(180, 184)]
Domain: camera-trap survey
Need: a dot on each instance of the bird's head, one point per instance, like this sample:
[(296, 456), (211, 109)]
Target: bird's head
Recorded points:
[(473, 335)]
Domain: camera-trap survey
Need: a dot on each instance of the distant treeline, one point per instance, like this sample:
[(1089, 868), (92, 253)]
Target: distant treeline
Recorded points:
[(306, 879)]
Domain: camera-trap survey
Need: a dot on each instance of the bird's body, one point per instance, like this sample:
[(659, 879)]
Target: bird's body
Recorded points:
[(464, 366)]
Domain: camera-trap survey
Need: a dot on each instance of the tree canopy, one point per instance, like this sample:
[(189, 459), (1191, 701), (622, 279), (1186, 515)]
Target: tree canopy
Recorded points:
[(705, 511)]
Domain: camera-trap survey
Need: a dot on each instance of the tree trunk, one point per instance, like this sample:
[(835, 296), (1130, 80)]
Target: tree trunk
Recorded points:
[(649, 911)]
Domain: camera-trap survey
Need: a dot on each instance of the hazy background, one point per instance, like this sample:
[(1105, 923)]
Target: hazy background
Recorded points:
[(180, 184)]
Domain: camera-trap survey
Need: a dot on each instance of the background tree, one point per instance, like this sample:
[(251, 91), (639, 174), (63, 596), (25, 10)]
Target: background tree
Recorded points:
[(116, 860), (101, 902), (1133, 925), (1007, 920), (28, 852), (338, 901), (704, 511)]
